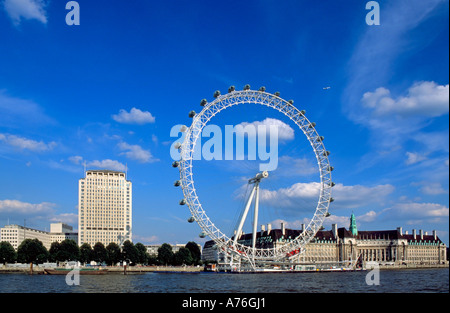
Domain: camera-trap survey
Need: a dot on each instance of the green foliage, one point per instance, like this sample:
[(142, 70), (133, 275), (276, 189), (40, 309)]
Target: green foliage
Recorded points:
[(130, 253), (182, 257), (86, 253), (113, 254), (32, 251), (7, 253), (195, 252), (142, 253), (165, 254), (99, 253)]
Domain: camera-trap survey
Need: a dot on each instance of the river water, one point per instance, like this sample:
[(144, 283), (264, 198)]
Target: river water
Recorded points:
[(389, 281)]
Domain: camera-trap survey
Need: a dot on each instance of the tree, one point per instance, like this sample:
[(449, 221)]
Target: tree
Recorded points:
[(69, 251), (182, 256), (99, 253), (86, 253), (32, 251), (165, 254), (113, 253), (7, 253), (153, 259), (195, 252), (54, 251), (142, 253), (130, 252)]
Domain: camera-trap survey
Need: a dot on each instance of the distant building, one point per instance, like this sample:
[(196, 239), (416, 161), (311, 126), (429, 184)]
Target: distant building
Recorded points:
[(61, 231), (341, 245), (15, 234), (153, 249), (104, 208)]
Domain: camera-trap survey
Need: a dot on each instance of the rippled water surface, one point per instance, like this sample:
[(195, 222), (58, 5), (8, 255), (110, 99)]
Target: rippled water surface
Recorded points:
[(391, 281)]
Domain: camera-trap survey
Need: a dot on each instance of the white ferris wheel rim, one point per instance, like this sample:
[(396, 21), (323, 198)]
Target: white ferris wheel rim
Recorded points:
[(287, 108)]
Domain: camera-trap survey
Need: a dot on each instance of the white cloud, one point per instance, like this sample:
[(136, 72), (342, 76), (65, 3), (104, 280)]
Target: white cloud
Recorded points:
[(285, 132), (76, 159), (25, 208), (304, 196), (414, 211), (135, 152), (26, 9), (424, 99), (68, 218), (26, 144), (135, 116), (432, 189), (413, 158), (107, 164)]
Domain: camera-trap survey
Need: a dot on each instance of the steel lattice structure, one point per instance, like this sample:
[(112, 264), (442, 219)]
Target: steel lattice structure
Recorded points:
[(185, 165)]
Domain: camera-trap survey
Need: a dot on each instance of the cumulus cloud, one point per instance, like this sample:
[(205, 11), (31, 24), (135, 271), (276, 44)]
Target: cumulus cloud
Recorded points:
[(418, 211), (22, 143), (285, 132), (68, 218), (304, 196), (424, 99), (135, 116), (136, 152), (19, 10), (25, 208), (107, 164)]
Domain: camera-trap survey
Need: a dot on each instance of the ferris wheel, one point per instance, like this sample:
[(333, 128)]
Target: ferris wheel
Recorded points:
[(230, 245)]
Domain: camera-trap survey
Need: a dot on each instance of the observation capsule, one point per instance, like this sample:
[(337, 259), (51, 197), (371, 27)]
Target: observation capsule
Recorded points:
[(330, 168), (191, 114), (216, 94), (262, 88), (247, 87), (320, 138), (191, 219), (231, 89), (183, 128), (277, 93), (182, 201), (312, 125), (291, 101), (203, 102), (332, 184), (326, 153), (331, 199), (202, 235), (177, 145), (303, 112), (177, 183), (175, 164), (327, 214)]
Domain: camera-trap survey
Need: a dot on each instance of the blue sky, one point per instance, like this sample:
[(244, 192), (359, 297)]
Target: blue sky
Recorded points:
[(107, 93)]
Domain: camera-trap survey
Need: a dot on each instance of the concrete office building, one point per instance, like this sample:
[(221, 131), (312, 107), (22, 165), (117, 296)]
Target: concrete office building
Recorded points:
[(15, 234), (104, 208)]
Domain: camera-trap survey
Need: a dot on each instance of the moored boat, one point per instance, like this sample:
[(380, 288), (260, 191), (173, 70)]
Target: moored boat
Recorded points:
[(82, 271)]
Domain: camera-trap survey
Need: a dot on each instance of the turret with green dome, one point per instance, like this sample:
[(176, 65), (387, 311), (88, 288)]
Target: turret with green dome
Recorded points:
[(352, 227)]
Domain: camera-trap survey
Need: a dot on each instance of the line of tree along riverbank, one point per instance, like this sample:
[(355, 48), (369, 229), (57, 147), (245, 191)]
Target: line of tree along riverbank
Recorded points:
[(33, 251)]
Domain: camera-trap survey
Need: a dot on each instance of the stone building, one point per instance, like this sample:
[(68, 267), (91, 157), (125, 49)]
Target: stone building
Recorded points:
[(351, 245)]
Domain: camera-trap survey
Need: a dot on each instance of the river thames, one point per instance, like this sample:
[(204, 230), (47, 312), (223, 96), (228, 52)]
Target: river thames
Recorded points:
[(390, 281)]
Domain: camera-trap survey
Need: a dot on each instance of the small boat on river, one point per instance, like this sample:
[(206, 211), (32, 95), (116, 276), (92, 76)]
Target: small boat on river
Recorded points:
[(82, 271)]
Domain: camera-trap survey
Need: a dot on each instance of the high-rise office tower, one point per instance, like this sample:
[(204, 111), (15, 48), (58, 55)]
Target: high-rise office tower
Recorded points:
[(104, 207)]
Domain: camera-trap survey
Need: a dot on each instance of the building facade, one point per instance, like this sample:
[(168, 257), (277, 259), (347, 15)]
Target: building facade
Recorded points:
[(15, 234), (104, 208), (341, 245)]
